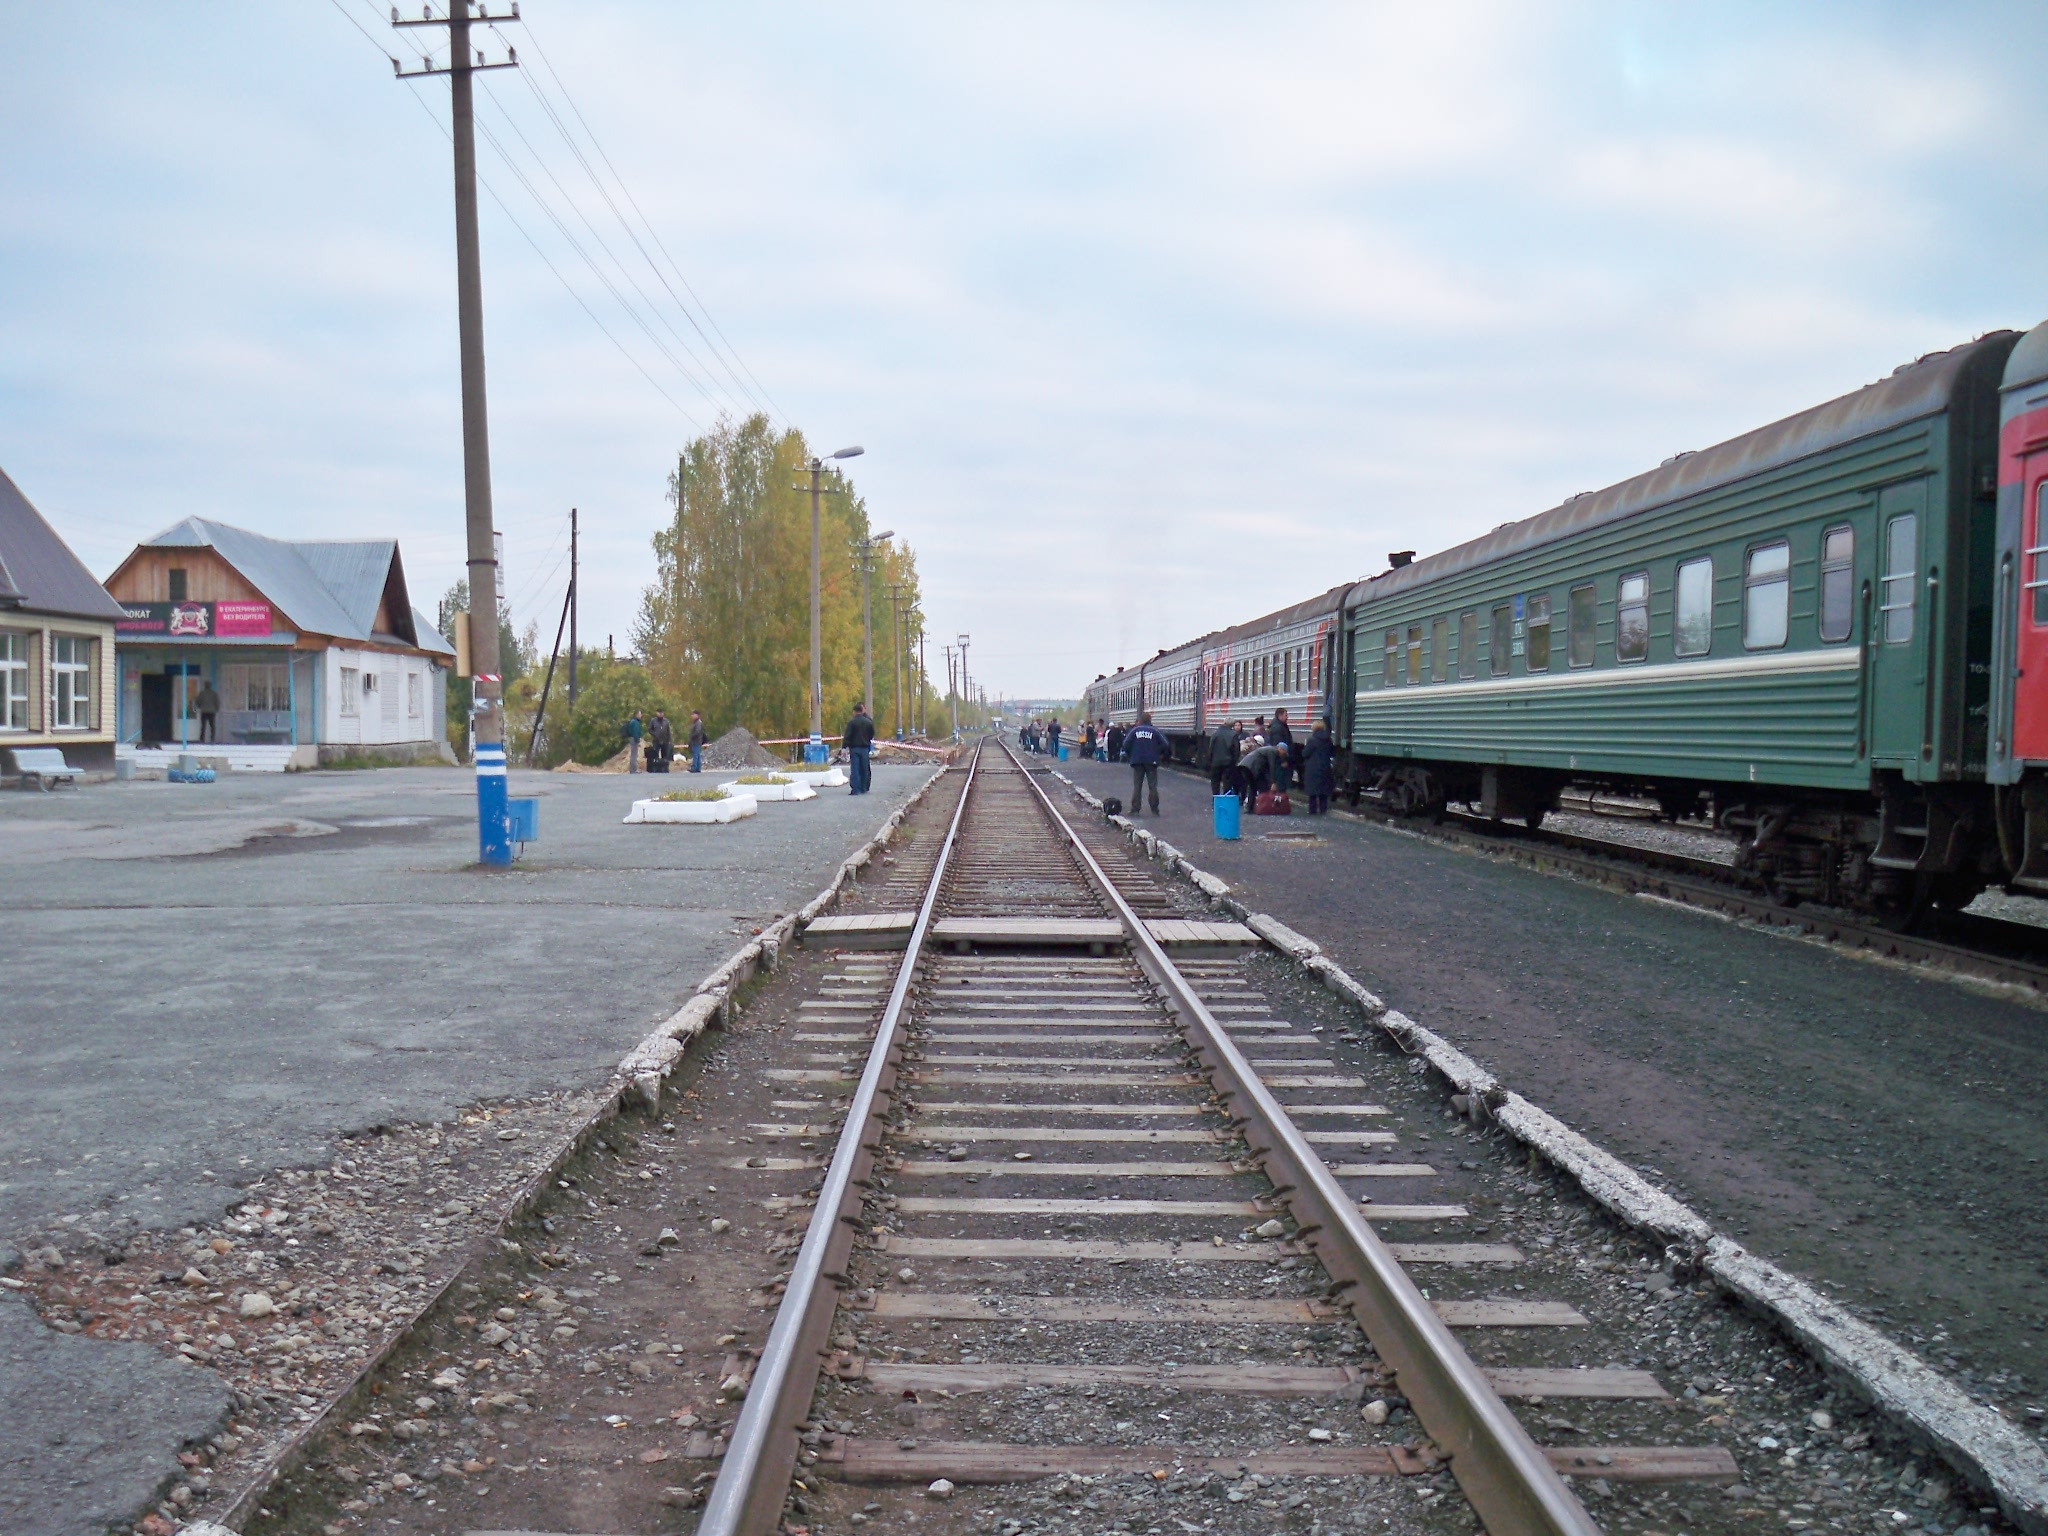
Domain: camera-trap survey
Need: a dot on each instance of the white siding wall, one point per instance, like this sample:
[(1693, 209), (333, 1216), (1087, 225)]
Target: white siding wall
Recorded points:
[(398, 706)]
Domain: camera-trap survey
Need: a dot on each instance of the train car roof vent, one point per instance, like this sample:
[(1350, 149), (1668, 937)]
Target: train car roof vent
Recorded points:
[(1683, 453), (1399, 558)]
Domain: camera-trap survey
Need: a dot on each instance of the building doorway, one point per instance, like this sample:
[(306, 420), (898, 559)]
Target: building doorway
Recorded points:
[(156, 709)]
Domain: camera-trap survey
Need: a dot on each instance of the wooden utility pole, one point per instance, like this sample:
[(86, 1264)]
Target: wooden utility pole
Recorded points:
[(574, 597), (895, 591), (814, 751), (487, 707)]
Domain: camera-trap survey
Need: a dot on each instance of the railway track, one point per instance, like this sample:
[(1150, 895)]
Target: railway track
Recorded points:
[(1092, 1171)]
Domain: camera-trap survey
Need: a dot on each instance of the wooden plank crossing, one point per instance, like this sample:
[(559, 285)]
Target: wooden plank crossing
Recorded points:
[(891, 930)]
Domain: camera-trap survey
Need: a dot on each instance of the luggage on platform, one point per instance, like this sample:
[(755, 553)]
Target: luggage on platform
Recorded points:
[(1272, 802)]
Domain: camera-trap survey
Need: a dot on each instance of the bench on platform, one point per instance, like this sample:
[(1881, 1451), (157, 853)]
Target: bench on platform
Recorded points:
[(45, 765)]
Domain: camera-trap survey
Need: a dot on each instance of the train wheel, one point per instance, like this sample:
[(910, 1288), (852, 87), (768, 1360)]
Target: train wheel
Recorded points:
[(1907, 910)]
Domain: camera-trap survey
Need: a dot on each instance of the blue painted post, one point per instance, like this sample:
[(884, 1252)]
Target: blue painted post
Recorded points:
[(814, 749), (493, 826)]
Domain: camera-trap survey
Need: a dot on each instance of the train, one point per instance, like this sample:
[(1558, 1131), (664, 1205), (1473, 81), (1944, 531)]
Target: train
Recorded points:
[(1829, 636)]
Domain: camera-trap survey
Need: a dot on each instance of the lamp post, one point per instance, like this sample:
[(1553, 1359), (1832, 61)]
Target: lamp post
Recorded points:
[(962, 643), (867, 630), (814, 752)]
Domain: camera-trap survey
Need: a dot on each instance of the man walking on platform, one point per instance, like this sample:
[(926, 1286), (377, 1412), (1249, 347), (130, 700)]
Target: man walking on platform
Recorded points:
[(1052, 738), (632, 730), (1144, 746), (859, 741), (696, 742), (1223, 754), (208, 705)]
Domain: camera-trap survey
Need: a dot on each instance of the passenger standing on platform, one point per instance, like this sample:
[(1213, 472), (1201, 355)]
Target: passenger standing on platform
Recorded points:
[(1281, 738), (1088, 741), (1145, 747), (1052, 737), (207, 702), (1116, 743), (661, 743), (632, 731), (859, 741), (1319, 768), (696, 742), (1223, 754)]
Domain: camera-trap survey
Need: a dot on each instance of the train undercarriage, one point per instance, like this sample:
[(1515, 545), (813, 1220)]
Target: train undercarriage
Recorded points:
[(1894, 854)]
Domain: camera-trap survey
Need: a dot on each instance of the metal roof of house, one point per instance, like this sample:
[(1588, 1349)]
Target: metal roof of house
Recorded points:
[(38, 570), (325, 586)]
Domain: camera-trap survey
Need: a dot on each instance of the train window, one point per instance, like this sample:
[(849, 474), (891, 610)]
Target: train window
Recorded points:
[(2039, 550), (1315, 667), (1414, 653), (1468, 644), (1539, 633), (1439, 649), (1392, 663), (1767, 597), (1579, 621), (1900, 536), (1692, 618), (1632, 617), (1837, 583), (1502, 640)]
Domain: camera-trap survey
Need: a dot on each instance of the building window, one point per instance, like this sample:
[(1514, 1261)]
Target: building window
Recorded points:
[(1468, 644), (1837, 583), (258, 687), (71, 682), (1900, 536), (1439, 649), (1390, 672), (1579, 621), (1501, 644), (351, 691), (1767, 597), (1414, 653), (1539, 633), (1692, 619), (178, 585), (13, 680), (1632, 618)]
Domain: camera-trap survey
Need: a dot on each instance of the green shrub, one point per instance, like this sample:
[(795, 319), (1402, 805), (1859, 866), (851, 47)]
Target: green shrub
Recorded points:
[(691, 795), (763, 778)]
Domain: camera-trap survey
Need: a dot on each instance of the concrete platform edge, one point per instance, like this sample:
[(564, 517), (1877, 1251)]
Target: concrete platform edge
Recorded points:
[(640, 1075), (1981, 1445)]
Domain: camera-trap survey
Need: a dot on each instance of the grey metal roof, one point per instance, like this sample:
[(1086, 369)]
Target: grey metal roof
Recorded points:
[(430, 638), (2029, 361), (325, 586), (1917, 390), (38, 570)]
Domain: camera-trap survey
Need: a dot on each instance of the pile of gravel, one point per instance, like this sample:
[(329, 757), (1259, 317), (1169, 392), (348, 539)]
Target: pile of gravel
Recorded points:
[(737, 748)]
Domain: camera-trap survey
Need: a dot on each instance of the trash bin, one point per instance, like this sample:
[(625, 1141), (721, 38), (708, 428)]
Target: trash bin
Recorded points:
[(1228, 810), (1063, 751)]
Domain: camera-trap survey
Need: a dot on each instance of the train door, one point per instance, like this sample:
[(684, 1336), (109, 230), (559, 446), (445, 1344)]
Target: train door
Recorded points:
[(2030, 704), (1900, 693)]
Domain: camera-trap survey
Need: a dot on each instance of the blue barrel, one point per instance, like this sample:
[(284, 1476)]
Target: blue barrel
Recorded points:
[(1228, 808), (1063, 751)]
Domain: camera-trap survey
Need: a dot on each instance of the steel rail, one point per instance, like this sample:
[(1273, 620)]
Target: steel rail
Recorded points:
[(753, 1478), (1509, 1482)]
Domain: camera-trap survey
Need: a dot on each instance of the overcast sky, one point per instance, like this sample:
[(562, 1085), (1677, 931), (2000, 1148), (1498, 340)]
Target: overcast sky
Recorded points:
[(1152, 318)]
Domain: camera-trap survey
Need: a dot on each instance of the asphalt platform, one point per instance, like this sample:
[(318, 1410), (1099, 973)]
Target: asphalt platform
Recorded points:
[(207, 982), (1875, 1129)]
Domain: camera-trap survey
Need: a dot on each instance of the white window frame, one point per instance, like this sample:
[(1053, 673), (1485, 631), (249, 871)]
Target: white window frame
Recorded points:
[(1678, 608), (14, 679), (1767, 597), (350, 693), (415, 690), (71, 684)]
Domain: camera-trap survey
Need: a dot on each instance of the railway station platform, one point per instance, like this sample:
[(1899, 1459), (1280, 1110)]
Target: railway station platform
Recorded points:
[(1869, 1126), (206, 983)]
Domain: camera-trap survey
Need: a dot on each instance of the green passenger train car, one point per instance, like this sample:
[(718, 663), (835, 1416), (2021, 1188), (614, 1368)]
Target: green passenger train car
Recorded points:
[(1791, 631)]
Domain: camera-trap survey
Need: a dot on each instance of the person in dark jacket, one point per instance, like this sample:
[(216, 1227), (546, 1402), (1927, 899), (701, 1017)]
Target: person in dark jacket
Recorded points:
[(1223, 754), (1319, 768), (1052, 738), (697, 742), (1116, 743), (859, 741), (1260, 771), (1145, 746), (632, 730), (1088, 741), (661, 742), (1281, 738)]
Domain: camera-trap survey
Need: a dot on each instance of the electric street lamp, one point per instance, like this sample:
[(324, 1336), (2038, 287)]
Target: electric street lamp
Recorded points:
[(867, 634), (814, 752)]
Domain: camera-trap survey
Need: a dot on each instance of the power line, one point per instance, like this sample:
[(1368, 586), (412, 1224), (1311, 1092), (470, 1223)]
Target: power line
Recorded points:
[(569, 97), (526, 235)]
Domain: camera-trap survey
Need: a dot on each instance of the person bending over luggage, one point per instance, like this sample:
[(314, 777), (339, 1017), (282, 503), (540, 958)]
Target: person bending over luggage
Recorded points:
[(1145, 746), (1262, 769)]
